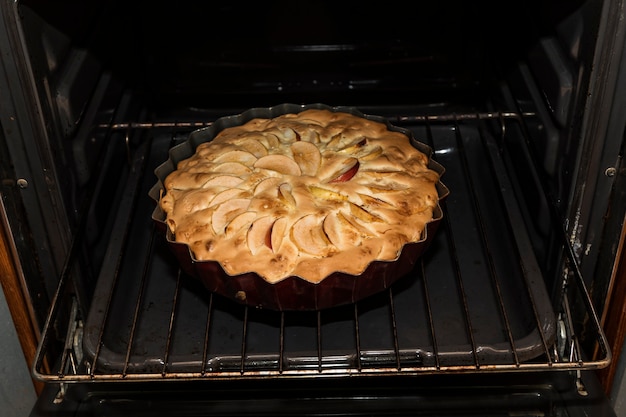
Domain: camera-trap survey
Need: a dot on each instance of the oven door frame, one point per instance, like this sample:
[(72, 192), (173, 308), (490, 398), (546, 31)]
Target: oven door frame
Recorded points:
[(22, 117)]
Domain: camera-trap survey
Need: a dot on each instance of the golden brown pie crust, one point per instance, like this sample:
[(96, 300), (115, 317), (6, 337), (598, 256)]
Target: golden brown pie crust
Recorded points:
[(305, 195)]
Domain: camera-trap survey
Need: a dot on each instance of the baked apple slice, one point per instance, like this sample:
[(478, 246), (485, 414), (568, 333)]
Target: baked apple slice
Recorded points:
[(386, 189), (372, 153), (340, 232), (226, 181), (308, 235), (270, 140), (253, 146), (233, 168), (278, 233), (288, 134), (372, 201), (279, 163), (354, 147), (269, 183), (335, 142), (227, 211), (312, 136), (285, 195), (259, 234), (240, 222), (348, 170), (326, 194), (237, 155), (307, 156), (227, 194), (363, 214)]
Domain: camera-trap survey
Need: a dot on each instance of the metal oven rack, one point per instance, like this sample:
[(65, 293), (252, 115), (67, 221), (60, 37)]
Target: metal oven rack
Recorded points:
[(475, 303)]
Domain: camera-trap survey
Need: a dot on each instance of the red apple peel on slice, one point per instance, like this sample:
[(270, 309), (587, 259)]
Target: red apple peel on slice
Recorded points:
[(347, 175)]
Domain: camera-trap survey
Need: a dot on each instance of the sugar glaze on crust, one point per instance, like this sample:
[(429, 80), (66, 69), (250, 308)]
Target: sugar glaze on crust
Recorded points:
[(304, 194)]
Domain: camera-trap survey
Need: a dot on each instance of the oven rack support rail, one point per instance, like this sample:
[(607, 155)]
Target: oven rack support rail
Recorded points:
[(563, 352)]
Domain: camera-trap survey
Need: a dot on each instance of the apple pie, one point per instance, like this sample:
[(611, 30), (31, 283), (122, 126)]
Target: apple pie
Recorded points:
[(304, 195)]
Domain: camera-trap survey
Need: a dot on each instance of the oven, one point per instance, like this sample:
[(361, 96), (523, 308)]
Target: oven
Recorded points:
[(514, 309)]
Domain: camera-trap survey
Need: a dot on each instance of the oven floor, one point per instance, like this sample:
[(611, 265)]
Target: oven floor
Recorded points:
[(545, 395)]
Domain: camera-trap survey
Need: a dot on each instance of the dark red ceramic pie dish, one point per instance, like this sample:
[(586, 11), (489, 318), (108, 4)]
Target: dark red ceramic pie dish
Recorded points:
[(293, 292)]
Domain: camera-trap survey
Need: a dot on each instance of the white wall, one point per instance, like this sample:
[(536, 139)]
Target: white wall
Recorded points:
[(17, 393), (618, 392)]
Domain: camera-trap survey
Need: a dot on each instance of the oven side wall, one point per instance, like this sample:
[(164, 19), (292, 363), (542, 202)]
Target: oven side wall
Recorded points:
[(36, 231), (39, 224)]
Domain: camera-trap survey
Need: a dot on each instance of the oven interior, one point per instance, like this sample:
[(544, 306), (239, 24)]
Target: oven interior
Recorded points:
[(504, 94)]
